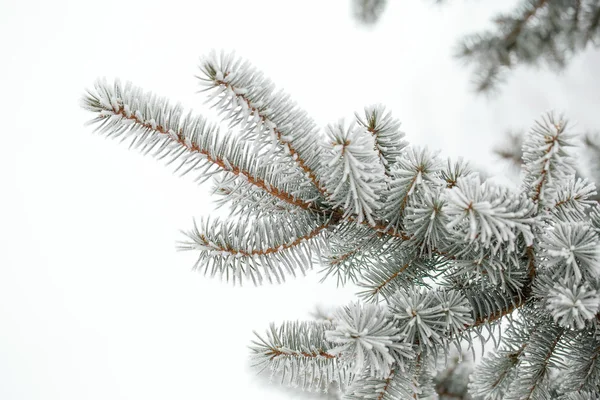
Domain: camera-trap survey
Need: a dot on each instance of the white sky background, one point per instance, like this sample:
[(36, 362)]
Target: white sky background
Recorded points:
[(94, 301)]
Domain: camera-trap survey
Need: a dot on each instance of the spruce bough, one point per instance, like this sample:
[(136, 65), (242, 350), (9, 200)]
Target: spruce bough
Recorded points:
[(442, 257), (535, 33)]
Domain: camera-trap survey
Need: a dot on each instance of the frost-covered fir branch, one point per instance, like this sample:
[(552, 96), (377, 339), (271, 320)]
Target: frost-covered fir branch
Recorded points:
[(260, 250), (586, 162), (444, 259), (266, 116)]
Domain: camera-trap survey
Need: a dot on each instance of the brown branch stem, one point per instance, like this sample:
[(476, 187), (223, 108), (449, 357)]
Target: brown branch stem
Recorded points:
[(276, 352), (550, 351), (390, 278), (388, 381), (551, 141), (263, 252)]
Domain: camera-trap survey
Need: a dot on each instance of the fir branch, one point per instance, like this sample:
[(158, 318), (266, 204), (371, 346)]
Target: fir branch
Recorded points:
[(573, 305), (246, 200), (354, 180), (538, 31), (488, 213), (427, 222), (575, 246), (545, 159), (511, 38), (491, 305), (156, 125), (257, 250), (501, 269), (573, 200), (533, 369), (415, 171), (454, 171), (297, 352), (250, 99), (366, 336), (492, 251), (430, 318), (491, 302), (586, 366), (386, 132), (496, 372)]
